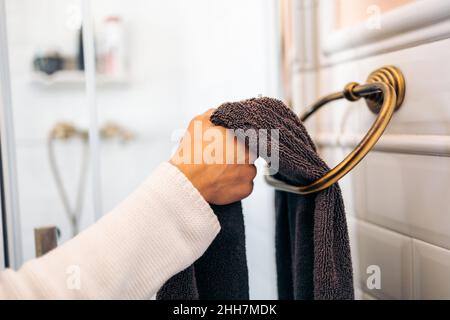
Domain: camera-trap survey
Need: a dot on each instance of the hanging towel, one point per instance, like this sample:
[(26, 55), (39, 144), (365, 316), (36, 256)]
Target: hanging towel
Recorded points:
[(312, 246), (221, 273)]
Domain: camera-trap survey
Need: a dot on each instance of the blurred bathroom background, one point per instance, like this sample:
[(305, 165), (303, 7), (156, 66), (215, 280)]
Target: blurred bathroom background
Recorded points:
[(158, 64)]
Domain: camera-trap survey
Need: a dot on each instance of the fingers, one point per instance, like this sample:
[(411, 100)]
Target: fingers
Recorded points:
[(237, 193), (254, 171), (204, 117), (246, 190), (243, 154), (251, 172), (250, 155), (241, 187), (247, 173), (247, 184), (234, 150), (209, 112)]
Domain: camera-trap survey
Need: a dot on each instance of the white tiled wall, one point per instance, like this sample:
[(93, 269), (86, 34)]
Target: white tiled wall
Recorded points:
[(397, 202), (431, 271), (420, 209), (407, 197), (412, 265), (390, 251)]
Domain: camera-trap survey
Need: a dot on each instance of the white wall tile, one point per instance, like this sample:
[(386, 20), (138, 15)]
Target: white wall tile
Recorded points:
[(390, 251), (431, 271), (332, 157), (359, 294), (405, 193), (367, 296), (39, 200), (425, 91)]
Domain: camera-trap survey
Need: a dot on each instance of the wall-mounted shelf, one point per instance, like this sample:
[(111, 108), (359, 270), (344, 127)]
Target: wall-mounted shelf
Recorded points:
[(75, 78)]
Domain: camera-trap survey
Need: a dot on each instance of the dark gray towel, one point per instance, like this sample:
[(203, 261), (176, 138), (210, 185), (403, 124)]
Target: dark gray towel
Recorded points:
[(221, 273), (312, 247)]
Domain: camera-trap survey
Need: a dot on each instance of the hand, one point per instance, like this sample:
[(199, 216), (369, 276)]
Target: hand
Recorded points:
[(218, 165)]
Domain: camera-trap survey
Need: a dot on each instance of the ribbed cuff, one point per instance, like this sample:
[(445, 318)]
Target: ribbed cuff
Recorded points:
[(180, 195)]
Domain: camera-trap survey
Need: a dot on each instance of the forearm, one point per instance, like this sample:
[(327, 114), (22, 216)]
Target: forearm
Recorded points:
[(159, 230)]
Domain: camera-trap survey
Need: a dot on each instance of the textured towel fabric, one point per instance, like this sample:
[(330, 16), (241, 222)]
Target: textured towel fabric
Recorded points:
[(312, 246), (221, 273)]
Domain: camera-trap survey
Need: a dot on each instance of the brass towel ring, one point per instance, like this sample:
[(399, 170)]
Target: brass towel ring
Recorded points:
[(384, 93)]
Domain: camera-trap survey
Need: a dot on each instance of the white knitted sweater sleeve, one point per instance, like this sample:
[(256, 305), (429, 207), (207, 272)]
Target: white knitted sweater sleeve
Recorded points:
[(159, 230)]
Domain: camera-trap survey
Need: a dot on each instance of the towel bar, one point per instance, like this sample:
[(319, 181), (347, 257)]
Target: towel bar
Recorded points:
[(384, 93)]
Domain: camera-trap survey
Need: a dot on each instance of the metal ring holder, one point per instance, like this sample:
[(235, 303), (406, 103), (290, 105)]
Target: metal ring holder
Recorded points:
[(384, 93)]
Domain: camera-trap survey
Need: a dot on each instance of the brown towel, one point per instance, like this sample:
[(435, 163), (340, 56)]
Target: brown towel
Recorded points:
[(312, 245)]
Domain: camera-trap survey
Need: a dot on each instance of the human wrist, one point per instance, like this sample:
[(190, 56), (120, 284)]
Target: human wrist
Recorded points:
[(191, 172)]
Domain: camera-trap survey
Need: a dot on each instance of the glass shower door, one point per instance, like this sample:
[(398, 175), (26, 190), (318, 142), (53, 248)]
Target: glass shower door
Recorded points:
[(90, 114), (48, 127)]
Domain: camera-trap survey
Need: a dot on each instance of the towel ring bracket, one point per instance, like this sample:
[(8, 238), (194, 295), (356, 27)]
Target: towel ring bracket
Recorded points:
[(384, 93)]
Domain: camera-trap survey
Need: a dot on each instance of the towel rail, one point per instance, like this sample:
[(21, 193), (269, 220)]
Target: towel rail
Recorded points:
[(384, 92)]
